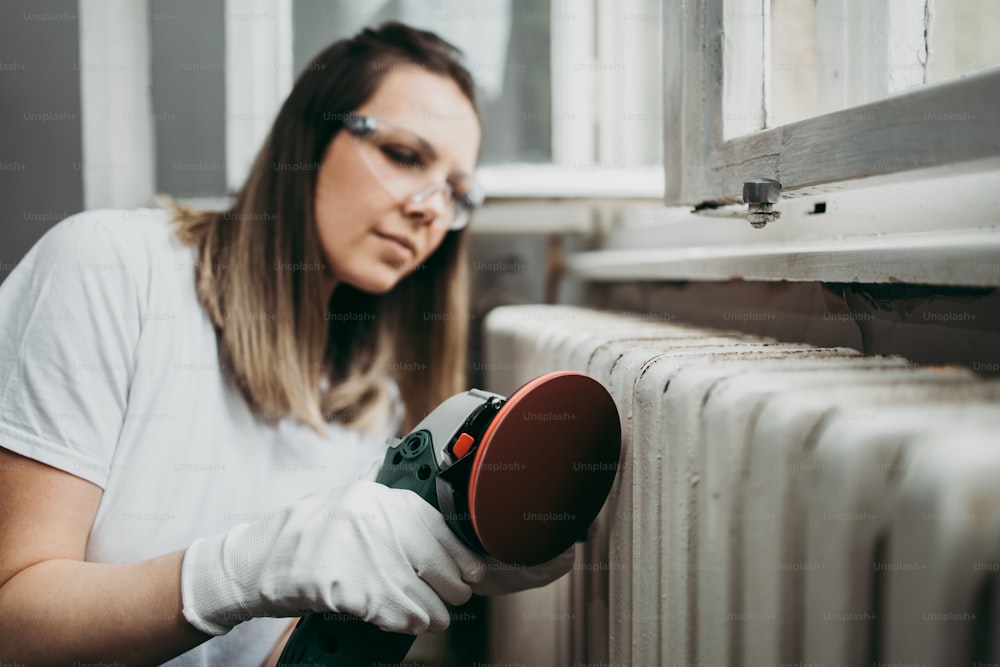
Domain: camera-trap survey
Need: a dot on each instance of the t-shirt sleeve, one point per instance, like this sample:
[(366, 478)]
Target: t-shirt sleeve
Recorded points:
[(69, 326)]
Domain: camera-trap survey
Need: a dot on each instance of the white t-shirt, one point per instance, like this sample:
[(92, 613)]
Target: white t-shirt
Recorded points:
[(109, 370)]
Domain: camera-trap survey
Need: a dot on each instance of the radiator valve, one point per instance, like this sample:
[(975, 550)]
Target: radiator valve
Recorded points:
[(760, 194)]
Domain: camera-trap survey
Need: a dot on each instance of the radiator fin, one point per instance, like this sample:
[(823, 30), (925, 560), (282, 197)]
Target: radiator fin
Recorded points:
[(776, 503)]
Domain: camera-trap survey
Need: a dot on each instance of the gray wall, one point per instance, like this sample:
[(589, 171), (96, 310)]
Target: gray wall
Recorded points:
[(189, 96), (40, 145), (41, 176)]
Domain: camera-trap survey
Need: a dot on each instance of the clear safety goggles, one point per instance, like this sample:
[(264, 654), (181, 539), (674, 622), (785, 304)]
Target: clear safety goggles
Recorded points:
[(400, 160)]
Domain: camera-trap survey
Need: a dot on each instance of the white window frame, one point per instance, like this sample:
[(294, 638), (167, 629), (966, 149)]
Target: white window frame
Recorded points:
[(118, 168), (880, 192), (893, 135), (259, 74)]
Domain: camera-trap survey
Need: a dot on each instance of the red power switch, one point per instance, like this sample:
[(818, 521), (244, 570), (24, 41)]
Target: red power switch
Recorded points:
[(462, 445)]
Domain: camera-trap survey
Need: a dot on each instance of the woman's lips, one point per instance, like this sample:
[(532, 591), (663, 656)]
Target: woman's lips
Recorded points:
[(400, 246)]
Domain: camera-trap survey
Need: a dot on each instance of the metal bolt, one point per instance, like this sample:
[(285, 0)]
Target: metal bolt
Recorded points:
[(761, 194)]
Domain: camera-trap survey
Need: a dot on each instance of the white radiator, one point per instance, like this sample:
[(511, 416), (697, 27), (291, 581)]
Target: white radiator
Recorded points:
[(776, 504)]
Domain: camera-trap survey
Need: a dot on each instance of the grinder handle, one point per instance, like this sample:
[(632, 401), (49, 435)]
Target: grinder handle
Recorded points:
[(342, 640)]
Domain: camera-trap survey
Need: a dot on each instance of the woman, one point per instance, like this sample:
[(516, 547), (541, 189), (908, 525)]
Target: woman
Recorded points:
[(172, 388)]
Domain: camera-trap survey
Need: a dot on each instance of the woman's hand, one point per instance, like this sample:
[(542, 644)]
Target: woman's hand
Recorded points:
[(384, 555)]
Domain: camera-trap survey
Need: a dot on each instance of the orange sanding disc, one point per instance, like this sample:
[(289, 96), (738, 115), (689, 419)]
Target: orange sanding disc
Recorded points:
[(544, 468)]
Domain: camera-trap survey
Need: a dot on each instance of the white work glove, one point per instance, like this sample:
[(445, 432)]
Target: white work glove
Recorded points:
[(384, 555), (501, 578)]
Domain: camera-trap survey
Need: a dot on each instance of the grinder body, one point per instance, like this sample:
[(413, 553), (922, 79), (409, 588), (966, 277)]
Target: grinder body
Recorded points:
[(414, 462), (560, 434)]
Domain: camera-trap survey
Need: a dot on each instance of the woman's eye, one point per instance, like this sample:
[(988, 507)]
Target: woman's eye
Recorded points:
[(402, 155)]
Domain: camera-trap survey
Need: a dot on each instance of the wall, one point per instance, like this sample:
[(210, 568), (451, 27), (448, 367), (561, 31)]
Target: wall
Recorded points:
[(40, 147), (189, 96)]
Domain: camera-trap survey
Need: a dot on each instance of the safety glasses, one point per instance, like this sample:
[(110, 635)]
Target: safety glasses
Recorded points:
[(400, 160)]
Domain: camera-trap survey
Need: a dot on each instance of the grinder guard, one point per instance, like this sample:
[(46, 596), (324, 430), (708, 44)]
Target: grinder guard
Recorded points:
[(452, 459)]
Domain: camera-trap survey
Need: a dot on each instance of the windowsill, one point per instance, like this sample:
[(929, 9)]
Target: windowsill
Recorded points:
[(571, 181), (936, 258), (539, 199), (941, 230)]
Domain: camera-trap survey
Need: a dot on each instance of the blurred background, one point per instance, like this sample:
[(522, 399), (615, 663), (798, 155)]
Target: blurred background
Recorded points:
[(108, 103)]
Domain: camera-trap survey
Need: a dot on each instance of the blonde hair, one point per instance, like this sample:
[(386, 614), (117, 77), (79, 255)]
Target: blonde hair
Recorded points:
[(279, 340), (260, 270)]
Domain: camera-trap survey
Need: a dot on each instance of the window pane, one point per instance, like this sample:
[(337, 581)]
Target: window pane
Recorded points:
[(794, 84), (506, 44), (962, 37), (829, 55), (517, 118)]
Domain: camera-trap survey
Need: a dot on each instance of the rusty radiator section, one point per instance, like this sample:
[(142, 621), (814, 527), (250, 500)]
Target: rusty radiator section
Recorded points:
[(776, 504)]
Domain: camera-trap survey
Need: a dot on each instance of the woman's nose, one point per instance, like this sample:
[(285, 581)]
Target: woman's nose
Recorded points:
[(428, 206)]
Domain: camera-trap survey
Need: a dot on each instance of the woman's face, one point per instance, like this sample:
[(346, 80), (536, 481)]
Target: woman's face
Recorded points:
[(372, 237)]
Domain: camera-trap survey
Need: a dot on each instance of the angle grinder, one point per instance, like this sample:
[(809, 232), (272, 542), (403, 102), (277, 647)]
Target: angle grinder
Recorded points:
[(519, 479)]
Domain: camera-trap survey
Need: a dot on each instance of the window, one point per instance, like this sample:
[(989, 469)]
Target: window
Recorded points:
[(834, 54), (879, 119), (569, 91), (726, 90)]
